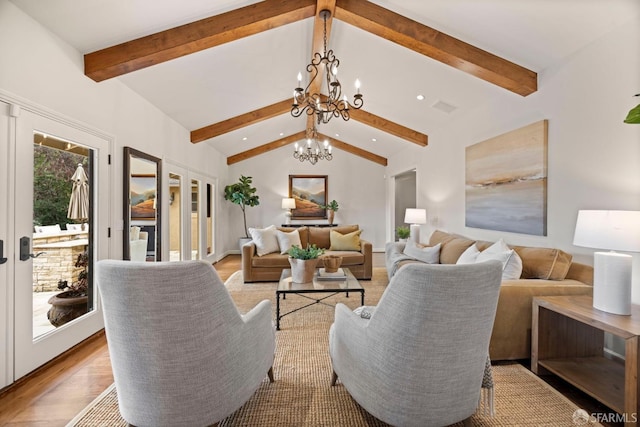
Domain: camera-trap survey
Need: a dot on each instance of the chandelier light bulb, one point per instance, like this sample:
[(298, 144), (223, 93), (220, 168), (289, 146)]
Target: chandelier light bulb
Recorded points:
[(299, 79), (358, 85)]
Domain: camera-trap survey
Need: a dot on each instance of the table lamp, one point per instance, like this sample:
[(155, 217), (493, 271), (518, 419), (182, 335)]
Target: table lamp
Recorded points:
[(415, 217), (288, 204), (612, 271)]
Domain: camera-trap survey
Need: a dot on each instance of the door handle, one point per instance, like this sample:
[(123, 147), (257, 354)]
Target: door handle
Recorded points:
[(2, 258), (25, 249)]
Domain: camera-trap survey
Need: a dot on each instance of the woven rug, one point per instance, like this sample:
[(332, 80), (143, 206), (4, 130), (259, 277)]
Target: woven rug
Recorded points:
[(302, 394)]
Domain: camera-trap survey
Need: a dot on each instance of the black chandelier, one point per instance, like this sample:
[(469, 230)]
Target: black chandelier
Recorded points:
[(324, 107), (313, 151)]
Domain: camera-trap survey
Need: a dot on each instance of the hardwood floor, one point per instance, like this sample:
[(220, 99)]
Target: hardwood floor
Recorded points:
[(55, 393)]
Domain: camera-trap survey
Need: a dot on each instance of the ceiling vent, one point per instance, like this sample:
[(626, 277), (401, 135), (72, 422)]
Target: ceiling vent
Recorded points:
[(444, 107)]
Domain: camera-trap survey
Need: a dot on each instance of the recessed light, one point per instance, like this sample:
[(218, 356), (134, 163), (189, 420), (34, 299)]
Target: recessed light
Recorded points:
[(337, 134), (420, 97), (281, 133), (244, 139), (373, 139)]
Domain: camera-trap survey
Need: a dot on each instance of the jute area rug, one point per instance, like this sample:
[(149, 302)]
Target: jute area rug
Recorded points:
[(302, 395)]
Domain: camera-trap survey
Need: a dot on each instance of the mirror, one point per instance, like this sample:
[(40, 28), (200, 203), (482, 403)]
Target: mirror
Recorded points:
[(142, 205)]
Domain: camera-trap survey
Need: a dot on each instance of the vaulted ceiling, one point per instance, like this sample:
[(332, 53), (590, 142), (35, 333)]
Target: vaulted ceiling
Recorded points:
[(226, 70)]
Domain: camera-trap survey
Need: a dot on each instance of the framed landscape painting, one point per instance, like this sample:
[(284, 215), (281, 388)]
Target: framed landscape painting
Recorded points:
[(506, 182), (310, 193), (143, 197)]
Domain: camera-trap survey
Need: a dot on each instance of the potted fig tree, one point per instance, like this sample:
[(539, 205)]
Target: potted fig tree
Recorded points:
[(244, 195)]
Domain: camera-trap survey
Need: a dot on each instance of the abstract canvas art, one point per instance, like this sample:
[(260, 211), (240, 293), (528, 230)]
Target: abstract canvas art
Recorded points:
[(506, 181)]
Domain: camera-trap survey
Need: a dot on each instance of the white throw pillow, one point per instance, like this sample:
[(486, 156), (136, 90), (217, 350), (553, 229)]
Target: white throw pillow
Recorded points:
[(286, 240), (426, 254), (265, 240), (469, 256), (511, 261)]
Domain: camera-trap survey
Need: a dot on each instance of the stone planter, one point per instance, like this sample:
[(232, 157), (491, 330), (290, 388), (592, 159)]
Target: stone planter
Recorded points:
[(302, 270), (65, 307)]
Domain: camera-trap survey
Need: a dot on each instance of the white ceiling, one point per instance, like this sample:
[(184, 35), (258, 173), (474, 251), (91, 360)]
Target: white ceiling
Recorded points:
[(259, 70)]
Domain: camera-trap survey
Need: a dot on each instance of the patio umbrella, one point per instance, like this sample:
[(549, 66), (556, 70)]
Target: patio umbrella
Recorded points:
[(79, 200)]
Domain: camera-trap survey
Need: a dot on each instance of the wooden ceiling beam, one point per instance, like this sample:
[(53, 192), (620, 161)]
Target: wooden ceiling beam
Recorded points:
[(301, 136), (166, 45), (336, 143), (243, 120), (266, 147), (389, 127), (437, 45)]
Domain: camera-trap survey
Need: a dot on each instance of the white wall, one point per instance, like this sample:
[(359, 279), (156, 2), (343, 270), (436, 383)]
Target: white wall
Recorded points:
[(593, 157), (38, 67), (358, 185)]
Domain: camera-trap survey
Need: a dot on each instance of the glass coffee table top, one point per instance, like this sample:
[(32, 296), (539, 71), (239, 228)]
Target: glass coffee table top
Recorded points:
[(317, 286)]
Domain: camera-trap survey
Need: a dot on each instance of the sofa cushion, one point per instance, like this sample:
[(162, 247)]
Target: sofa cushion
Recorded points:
[(512, 267), (452, 246), (302, 231), (544, 263), (348, 258), (426, 254), (265, 240), (271, 260), (469, 256), (288, 239), (345, 242), (319, 236)]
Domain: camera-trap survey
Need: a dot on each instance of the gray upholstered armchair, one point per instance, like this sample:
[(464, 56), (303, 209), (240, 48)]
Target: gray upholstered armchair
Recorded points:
[(419, 360), (181, 352)]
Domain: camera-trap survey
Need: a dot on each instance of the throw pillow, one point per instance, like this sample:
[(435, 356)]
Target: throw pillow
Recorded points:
[(469, 256), (511, 262), (426, 254), (345, 242), (286, 240), (265, 240)]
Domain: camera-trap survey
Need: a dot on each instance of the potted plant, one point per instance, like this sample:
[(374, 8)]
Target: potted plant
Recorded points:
[(633, 117), (72, 302), (242, 194), (403, 233), (303, 262), (332, 207)]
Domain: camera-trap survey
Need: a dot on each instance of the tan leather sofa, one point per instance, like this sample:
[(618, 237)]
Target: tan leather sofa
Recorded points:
[(268, 268), (545, 272)]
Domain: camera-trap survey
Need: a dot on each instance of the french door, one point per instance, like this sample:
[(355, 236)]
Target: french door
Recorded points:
[(191, 213), (41, 256)]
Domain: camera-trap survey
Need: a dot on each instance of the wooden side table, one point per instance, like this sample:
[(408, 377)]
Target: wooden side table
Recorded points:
[(567, 339)]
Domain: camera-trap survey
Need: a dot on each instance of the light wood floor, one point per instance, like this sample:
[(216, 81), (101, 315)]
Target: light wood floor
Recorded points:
[(55, 393)]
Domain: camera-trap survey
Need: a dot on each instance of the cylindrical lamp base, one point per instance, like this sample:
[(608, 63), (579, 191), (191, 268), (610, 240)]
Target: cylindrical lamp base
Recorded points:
[(612, 282), (415, 232)]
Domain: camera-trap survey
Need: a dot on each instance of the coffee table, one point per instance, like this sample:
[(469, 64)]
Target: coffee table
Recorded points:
[(329, 287)]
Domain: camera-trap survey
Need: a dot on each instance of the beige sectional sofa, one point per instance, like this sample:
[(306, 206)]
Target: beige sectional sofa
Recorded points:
[(545, 271), (268, 268)]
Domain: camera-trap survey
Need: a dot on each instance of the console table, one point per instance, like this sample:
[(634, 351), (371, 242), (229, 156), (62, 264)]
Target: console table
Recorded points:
[(567, 339), (309, 225)]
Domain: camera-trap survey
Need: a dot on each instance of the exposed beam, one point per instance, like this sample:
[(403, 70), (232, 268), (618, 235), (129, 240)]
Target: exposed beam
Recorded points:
[(243, 120), (266, 147), (193, 37), (389, 127), (437, 45), (300, 136), (336, 143)]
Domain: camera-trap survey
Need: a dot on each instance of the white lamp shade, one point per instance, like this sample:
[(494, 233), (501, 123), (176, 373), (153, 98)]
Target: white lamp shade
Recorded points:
[(415, 216), (288, 203), (612, 230)]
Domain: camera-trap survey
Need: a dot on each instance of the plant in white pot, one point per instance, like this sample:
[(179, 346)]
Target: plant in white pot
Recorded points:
[(403, 233), (303, 262), (244, 195)]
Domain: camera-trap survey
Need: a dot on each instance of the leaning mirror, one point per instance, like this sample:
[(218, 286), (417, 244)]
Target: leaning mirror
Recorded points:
[(141, 201)]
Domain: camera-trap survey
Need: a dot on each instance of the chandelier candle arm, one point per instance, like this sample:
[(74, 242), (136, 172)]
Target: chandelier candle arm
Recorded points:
[(324, 107), (313, 150)]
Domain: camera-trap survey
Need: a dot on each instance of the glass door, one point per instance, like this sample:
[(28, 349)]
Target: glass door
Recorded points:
[(59, 173), (175, 208), (204, 215)]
